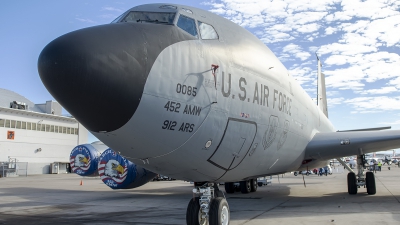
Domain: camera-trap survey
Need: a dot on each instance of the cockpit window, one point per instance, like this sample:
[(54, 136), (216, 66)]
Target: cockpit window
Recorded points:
[(150, 17), (117, 19), (187, 24), (207, 31)]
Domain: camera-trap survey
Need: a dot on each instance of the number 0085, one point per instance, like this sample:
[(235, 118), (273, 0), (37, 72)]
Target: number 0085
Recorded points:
[(186, 90)]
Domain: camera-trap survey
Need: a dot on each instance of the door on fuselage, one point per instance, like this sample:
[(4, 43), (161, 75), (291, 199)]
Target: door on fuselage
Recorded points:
[(235, 144)]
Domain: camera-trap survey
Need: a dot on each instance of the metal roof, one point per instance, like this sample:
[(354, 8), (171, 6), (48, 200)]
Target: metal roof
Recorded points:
[(7, 96)]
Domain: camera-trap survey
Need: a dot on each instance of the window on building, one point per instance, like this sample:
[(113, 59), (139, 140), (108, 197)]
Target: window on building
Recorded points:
[(187, 24), (28, 126), (64, 129), (8, 124), (207, 32), (76, 131), (23, 126), (52, 128), (13, 122), (47, 128), (56, 129), (68, 130), (2, 122), (18, 126), (33, 126)]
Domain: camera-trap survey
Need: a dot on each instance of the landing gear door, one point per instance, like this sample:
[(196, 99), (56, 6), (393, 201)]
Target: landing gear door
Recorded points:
[(234, 145)]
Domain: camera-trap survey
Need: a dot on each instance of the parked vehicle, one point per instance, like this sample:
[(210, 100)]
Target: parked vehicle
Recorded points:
[(304, 172)]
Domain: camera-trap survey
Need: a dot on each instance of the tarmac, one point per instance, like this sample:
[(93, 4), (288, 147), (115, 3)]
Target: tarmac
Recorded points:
[(60, 199)]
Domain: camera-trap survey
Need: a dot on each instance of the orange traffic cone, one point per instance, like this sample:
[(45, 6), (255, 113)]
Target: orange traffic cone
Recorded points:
[(81, 183)]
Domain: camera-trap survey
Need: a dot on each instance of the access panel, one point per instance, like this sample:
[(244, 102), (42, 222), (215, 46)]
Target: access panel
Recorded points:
[(235, 144)]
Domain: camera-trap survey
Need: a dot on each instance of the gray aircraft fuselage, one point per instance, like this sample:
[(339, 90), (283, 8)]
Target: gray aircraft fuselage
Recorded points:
[(217, 109)]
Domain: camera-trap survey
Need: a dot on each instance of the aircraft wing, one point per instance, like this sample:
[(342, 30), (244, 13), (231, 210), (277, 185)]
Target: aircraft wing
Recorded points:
[(325, 146)]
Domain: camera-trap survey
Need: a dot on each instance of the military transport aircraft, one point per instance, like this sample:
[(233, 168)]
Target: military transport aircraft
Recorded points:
[(186, 93)]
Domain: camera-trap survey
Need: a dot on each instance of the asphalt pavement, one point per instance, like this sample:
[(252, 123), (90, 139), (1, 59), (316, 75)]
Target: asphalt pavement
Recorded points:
[(60, 199)]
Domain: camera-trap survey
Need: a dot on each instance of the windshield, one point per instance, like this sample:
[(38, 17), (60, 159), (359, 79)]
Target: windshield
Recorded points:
[(150, 17)]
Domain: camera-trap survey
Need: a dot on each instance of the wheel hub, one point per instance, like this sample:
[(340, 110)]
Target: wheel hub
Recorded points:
[(224, 216)]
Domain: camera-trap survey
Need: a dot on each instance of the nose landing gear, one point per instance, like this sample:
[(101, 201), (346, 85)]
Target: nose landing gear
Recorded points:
[(209, 207)]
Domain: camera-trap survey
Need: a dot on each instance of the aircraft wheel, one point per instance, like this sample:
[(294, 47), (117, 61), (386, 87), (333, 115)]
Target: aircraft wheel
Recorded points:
[(245, 186), (260, 184), (193, 215), (370, 183), (219, 212), (253, 185), (352, 183), (295, 173), (229, 187)]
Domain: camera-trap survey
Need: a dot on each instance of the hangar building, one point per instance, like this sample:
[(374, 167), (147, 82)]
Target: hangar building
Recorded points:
[(35, 138)]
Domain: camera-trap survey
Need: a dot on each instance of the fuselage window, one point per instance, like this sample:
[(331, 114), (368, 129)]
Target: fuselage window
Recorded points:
[(207, 31), (150, 17), (187, 24)]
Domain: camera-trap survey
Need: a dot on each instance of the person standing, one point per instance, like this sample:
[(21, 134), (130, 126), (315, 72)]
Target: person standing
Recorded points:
[(375, 165), (371, 165), (380, 166)]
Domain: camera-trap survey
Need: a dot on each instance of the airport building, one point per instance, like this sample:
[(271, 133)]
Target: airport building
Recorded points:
[(35, 138)]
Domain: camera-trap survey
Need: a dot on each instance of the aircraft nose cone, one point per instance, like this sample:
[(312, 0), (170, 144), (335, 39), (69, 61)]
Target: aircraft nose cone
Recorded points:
[(97, 74)]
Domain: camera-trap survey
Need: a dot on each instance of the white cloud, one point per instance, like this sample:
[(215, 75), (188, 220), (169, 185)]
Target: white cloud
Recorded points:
[(358, 42), (108, 8), (330, 30), (334, 101), (85, 20), (296, 51), (397, 122), (374, 104), (383, 90)]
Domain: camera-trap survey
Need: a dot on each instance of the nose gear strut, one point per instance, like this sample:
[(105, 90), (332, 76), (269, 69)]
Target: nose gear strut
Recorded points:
[(208, 206)]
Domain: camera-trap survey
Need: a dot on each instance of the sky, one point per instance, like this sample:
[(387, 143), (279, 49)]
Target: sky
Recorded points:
[(357, 41)]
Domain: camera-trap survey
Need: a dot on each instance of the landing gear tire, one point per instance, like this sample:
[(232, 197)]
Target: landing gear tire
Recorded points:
[(253, 185), (219, 212), (295, 173), (370, 183), (352, 183), (193, 215), (245, 186), (260, 184), (229, 187)]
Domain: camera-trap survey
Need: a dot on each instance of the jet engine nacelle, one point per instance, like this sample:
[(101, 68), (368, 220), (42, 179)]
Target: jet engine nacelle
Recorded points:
[(84, 160), (119, 173)]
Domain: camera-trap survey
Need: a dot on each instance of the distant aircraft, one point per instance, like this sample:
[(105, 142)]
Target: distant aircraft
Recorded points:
[(186, 93)]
